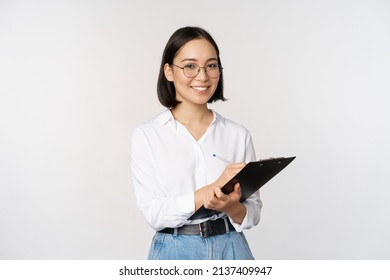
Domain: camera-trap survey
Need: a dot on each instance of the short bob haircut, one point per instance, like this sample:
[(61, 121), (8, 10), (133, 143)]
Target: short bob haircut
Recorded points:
[(165, 89)]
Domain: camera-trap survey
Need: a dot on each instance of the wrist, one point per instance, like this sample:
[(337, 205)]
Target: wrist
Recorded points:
[(236, 212)]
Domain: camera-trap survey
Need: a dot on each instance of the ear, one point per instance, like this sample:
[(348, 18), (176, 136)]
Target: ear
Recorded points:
[(168, 72)]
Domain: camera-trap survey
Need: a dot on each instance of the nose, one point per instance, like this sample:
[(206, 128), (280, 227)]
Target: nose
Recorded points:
[(202, 74)]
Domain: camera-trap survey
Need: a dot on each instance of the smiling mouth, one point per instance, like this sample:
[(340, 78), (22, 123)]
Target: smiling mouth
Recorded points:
[(200, 89)]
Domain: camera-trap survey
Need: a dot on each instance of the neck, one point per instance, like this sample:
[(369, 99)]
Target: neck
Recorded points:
[(191, 114)]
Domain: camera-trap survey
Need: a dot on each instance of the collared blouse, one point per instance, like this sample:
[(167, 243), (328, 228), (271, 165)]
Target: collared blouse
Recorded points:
[(168, 165)]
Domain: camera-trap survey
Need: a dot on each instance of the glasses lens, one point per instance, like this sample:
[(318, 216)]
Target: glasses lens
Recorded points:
[(191, 70), (213, 70)]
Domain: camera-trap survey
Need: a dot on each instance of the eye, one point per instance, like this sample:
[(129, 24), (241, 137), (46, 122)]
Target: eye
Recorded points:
[(212, 65), (190, 66)]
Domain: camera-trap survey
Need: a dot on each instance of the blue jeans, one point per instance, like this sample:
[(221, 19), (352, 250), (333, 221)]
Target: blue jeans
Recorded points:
[(229, 246)]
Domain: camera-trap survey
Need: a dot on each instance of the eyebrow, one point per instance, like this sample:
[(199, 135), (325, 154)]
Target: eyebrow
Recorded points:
[(193, 59)]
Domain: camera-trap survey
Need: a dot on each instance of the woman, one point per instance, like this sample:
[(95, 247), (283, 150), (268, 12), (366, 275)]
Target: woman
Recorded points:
[(181, 158)]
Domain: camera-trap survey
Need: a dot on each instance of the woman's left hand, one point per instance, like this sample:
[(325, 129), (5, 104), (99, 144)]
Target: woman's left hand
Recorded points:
[(227, 203)]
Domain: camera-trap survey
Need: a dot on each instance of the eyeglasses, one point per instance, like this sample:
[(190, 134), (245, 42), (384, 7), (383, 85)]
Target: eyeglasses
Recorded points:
[(192, 70)]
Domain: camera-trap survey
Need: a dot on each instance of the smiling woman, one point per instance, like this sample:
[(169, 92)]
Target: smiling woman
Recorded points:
[(165, 88), (173, 167), (197, 89)]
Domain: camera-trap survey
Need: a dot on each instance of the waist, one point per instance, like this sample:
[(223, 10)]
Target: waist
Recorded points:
[(205, 229)]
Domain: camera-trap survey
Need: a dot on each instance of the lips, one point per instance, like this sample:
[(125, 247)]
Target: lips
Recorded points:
[(200, 88)]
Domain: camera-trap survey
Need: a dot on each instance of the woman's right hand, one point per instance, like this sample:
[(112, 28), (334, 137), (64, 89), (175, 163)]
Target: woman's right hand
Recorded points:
[(228, 173)]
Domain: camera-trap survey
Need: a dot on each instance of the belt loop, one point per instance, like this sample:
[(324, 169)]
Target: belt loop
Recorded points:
[(175, 231), (226, 223)]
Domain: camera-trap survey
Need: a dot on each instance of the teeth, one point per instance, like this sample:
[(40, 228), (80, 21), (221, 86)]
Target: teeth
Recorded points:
[(200, 88)]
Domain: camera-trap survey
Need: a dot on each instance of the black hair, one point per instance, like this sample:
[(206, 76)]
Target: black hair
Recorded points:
[(165, 89)]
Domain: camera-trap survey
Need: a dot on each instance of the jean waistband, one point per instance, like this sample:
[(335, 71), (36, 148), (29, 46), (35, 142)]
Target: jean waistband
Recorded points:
[(205, 229)]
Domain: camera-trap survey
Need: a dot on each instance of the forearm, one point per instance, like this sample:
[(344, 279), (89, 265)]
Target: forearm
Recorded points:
[(236, 213), (253, 207)]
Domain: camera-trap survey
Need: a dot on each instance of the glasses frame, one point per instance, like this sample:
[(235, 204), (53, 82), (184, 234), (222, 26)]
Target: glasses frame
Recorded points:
[(205, 69)]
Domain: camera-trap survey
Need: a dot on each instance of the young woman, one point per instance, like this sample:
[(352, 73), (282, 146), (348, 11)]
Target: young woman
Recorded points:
[(181, 158)]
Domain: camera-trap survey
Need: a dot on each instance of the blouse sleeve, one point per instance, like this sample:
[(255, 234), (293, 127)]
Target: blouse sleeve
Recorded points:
[(159, 209)]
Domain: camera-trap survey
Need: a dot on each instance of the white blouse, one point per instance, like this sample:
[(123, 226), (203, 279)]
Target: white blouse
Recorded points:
[(168, 165)]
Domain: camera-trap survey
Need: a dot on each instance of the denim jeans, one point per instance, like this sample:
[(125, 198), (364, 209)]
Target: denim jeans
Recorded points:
[(229, 246)]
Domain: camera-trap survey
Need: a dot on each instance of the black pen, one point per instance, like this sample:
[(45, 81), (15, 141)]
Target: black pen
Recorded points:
[(224, 160)]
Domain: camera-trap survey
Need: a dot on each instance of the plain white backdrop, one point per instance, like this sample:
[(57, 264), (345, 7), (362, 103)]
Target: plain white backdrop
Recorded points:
[(308, 78)]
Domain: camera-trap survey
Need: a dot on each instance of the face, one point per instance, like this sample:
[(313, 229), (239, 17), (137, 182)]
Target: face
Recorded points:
[(197, 90)]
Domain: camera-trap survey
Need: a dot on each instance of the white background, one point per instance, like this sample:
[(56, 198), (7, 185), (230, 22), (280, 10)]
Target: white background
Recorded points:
[(308, 78)]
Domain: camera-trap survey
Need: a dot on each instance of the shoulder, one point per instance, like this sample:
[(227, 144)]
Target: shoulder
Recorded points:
[(232, 125), (151, 132), (157, 121)]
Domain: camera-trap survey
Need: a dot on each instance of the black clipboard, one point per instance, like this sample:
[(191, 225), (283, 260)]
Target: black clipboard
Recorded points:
[(251, 178)]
